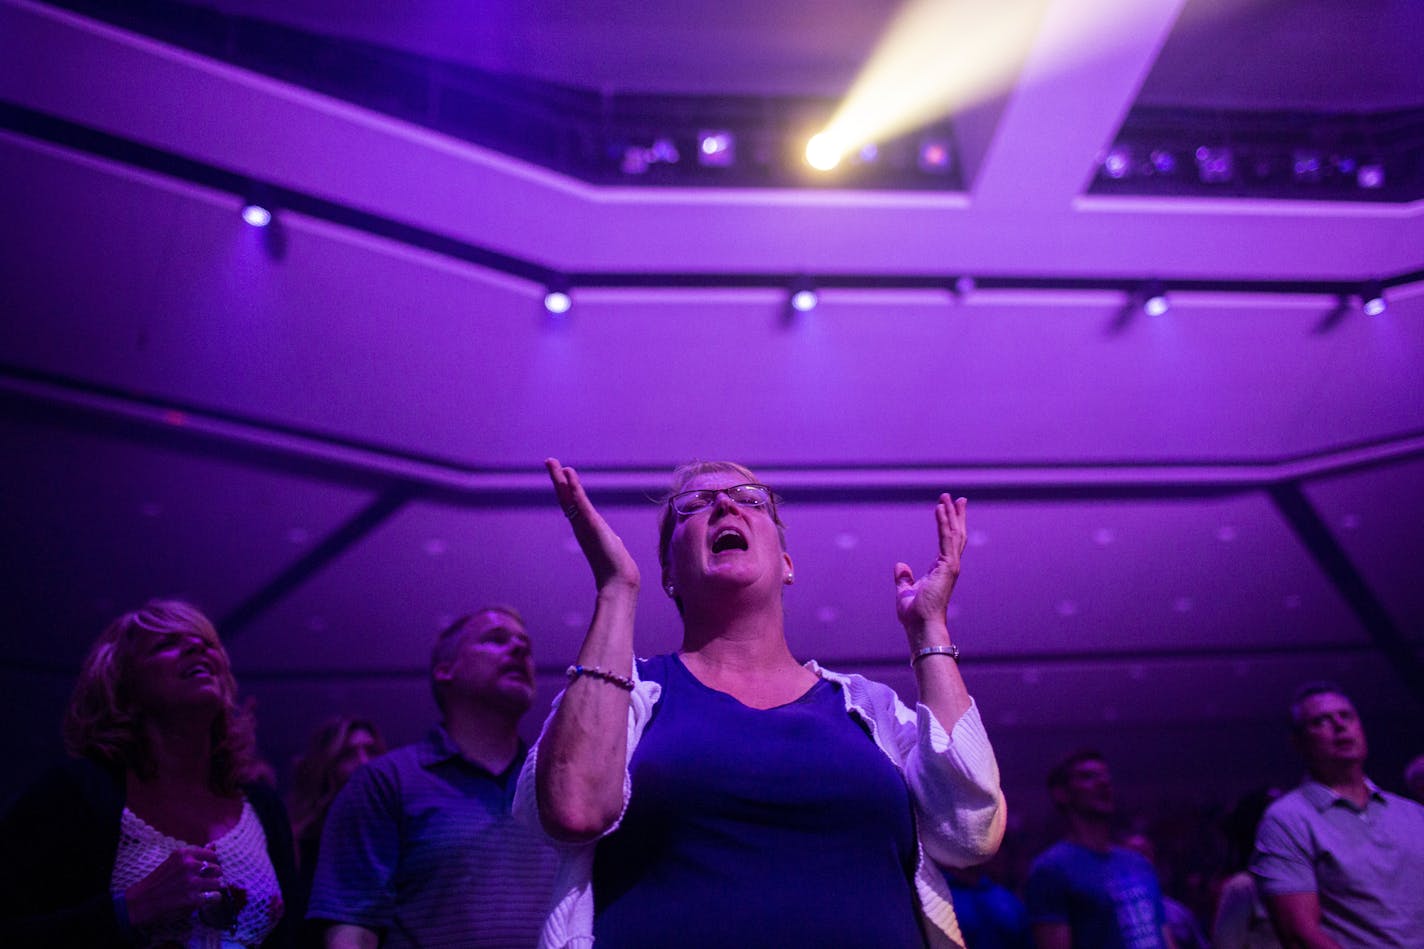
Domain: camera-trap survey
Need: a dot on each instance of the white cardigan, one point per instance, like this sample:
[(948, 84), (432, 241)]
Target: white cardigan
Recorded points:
[(953, 781)]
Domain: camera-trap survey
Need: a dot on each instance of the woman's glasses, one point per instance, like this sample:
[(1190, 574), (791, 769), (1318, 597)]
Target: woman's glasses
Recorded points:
[(746, 495)]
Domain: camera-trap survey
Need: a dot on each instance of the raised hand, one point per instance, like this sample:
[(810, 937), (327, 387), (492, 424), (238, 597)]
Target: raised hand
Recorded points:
[(191, 878), (921, 604), (609, 559)]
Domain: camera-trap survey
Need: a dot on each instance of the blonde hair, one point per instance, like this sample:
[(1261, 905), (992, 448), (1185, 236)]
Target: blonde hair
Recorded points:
[(315, 779), (104, 721)]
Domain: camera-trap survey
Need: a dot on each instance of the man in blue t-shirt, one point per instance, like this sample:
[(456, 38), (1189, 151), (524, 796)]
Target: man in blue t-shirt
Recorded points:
[(1084, 892)]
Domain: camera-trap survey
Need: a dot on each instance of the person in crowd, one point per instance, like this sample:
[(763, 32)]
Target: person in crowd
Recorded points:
[(154, 834), (335, 750), (1085, 891), (1241, 918), (419, 848), (1182, 923), (990, 915), (1339, 860), (1414, 779), (728, 795)]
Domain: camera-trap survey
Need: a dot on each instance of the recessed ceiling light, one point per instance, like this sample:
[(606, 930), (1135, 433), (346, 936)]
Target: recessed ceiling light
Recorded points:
[(256, 215)]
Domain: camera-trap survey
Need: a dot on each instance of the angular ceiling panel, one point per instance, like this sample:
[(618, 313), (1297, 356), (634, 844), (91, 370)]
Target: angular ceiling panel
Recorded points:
[(96, 524), (1376, 516)]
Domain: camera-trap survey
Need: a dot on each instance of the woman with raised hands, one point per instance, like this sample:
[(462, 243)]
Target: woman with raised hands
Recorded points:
[(158, 832), (728, 794)]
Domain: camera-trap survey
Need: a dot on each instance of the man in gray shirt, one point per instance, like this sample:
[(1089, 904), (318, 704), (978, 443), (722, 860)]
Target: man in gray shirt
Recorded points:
[(1340, 861)]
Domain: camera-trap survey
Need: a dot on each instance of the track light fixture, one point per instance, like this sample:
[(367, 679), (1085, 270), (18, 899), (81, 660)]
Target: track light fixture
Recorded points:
[(1372, 300), (257, 206), (558, 297), (1154, 299), (804, 297)]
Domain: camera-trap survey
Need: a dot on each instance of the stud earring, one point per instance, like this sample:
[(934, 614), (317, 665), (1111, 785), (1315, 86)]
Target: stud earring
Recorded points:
[(791, 578)]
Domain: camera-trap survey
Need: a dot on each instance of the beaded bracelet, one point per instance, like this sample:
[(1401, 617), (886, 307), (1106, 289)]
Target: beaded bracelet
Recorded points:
[(613, 678), (950, 651)]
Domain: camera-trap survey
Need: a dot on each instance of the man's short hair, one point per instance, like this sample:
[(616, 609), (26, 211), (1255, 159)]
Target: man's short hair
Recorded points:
[(1308, 689), (1058, 775), (447, 644)]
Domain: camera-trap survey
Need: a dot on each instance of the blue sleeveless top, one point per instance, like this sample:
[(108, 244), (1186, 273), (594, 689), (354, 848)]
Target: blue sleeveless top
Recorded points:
[(751, 827)]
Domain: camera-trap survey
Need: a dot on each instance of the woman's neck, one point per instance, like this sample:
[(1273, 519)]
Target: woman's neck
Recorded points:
[(747, 642), (747, 658), (180, 753)]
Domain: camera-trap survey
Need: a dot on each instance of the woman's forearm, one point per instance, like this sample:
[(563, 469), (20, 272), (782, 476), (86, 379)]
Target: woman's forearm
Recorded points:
[(582, 757)]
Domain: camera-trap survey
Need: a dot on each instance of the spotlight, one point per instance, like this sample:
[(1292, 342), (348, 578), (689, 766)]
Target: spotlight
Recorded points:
[(1370, 176), (823, 152), (1306, 166), (1154, 300), (1215, 165), (256, 215), (557, 299), (934, 156), (1118, 163), (1163, 161), (636, 160), (663, 150), (716, 149), (803, 296), (1372, 298)]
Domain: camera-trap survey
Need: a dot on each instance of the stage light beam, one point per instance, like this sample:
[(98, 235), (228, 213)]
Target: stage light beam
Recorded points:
[(938, 57)]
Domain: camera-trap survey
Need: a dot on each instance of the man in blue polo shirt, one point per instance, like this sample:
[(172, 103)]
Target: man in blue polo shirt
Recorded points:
[(419, 848), (1341, 863)]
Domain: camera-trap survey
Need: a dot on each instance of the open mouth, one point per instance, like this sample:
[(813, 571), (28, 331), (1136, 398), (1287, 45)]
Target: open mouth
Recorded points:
[(728, 538), (199, 670)]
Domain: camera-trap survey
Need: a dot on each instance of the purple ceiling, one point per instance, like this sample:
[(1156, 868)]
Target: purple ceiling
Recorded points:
[(336, 447)]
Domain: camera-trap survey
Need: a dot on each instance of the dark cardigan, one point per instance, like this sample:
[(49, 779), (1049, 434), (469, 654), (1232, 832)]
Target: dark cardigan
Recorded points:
[(58, 843)]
